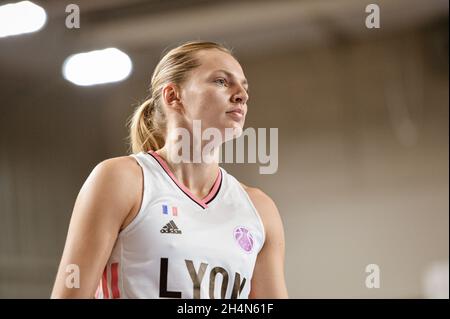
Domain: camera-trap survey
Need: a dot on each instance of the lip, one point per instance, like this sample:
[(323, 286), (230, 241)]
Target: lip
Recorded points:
[(237, 113), (237, 110)]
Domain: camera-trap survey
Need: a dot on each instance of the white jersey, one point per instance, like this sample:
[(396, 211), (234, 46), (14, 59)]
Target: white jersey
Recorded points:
[(179, 246)]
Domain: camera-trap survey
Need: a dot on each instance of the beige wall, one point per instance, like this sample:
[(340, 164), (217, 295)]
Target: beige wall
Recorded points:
[(363, 162)]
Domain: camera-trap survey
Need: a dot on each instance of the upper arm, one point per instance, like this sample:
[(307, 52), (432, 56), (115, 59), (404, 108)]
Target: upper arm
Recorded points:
[(103, 203), (268, 280)]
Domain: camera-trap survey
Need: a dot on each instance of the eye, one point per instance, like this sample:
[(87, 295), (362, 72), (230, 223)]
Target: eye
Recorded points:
[(221, 81)]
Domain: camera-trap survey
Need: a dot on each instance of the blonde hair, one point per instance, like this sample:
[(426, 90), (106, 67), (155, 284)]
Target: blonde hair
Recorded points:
[(147, 124)]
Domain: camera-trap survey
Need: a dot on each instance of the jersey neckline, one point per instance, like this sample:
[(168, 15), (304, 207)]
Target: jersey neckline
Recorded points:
[(203, 203)]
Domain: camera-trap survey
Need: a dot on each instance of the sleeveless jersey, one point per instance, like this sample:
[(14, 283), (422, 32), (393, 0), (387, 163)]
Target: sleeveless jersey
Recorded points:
[(179, 246)]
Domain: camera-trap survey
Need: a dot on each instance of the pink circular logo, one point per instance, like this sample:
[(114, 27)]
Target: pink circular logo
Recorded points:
[(244, 238)]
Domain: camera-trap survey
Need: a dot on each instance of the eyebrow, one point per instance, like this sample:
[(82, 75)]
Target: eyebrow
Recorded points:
[(244, 81)]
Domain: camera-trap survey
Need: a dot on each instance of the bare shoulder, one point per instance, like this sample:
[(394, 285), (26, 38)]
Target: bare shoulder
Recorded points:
[(124, 169), (265, 206), (125, 165), (258, 197), (119, 179)]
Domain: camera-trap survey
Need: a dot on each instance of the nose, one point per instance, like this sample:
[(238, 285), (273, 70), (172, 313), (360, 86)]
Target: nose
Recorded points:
[(240, 97)]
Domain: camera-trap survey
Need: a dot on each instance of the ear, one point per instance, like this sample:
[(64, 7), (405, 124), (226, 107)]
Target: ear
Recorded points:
[(171, 97)]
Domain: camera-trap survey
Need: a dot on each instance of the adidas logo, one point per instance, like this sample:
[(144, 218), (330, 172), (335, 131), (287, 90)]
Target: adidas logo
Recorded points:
[(170, 228)]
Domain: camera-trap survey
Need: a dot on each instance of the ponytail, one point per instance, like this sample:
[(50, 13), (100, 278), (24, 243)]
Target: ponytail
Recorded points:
[(145, 134)]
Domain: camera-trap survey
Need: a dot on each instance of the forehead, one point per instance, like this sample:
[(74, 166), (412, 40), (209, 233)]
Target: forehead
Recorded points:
[(215, 60)]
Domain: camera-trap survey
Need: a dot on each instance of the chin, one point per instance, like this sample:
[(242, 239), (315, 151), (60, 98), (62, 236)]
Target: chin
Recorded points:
[(233, 132), (230, 129)]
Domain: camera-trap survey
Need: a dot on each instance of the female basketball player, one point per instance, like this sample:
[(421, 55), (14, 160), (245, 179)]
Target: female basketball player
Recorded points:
[(148, 226)]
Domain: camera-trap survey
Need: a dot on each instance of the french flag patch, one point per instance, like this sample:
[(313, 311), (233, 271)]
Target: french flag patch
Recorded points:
[(167, 210)]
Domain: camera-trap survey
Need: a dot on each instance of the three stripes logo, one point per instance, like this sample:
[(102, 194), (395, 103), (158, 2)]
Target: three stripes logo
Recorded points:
[(170, 228)]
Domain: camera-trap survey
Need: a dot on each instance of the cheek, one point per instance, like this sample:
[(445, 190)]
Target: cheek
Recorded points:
[(211, 101), (207, 104)]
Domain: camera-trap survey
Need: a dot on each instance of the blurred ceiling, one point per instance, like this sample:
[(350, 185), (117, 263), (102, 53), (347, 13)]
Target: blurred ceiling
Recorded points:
[(252, 26)]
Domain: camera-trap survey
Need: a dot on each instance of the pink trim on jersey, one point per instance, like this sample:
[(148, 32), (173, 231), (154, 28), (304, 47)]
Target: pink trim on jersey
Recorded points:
[(97, 292), (115, 281), (105, 284), (214, 189), (201, 202)]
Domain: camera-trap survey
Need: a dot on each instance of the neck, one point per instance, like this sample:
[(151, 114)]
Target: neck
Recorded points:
[(198, 175)]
